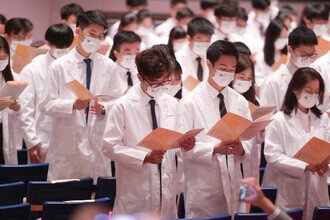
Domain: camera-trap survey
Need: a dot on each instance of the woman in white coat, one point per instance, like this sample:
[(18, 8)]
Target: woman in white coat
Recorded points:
[(8, 153), (301, 185)]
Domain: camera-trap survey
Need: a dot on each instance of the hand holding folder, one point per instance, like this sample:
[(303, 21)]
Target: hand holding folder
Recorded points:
[(165, 139), (10, 92), (314, 152), (234, 127), (259, 111)]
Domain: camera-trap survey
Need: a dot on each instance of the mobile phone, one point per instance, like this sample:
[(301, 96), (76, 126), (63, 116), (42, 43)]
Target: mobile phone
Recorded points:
[(247, 193)]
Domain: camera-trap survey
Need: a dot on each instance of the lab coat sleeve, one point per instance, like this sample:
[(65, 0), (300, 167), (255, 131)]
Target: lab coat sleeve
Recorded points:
[(113, 146), (275, 154), (267, 94), (50, 103), (28, 105)]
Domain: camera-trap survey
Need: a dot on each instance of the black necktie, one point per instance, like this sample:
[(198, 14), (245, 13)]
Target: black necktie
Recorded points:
[(223, 112), (88, 80), (129, 78), (152, 103), (199, 69)]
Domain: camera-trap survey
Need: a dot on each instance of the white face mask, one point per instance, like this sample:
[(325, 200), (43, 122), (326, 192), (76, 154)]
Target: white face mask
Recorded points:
[(308, 100), (179, 45), (223, 78), (200, 48), (3, 64), (73, 28), (320, 29), (240, 30), (292, 26), (128, 61), (91, 44), (57, 53), (303, 62), (228, 27), (172, 90), (242, 86), (281, 42), (156, 92)]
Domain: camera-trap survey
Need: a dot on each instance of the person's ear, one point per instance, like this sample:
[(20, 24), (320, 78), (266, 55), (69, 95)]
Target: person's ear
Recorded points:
[(308, 22), (78, 30), (210, 66), (116, 53), (139, 77)]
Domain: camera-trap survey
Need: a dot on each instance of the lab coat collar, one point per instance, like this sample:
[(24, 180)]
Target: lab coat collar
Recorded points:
[(290, 68)]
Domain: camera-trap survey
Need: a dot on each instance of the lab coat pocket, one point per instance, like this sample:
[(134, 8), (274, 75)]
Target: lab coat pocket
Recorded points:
[(290, 192)]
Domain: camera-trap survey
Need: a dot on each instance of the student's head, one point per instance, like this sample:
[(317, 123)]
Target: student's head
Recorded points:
[(136, 5), (200, 31), (241, 20), (128, 22), (222, 58), (285, 18), (3, 21), (315, 16), (126, 45), (207, 8), (70, 13), (305, 90), (261, 9), (183, 17), (301, 47), (177, 39), (226, 18), (276, 38), (242, 48), (91, 28), (154, 67), (145, 19), (59, 38), (28, 28), (5, 60), (292, 13), (176, 5)]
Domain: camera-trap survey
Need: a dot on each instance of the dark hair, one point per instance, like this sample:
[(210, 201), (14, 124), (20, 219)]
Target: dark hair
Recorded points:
[(260, 4), (314, 11), (300, 78), (120, 38), (143, 14), (219, 48), (154, 63), (71, 9), (3, 19), (244, 62), (242, 48), (209, 4), (27, 25), (136, 3), (184, 13), (126, 19), (272, 33), (288, 9), (91, 17), (282, 15), (14, 26), (6, 73), (242, 13), (176, 33), (175, 2), (225, 10), (178, 72), (302, 36), (200, 25), (59, 35)]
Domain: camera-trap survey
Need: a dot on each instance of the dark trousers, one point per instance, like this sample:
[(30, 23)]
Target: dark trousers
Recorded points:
[(2, 158)]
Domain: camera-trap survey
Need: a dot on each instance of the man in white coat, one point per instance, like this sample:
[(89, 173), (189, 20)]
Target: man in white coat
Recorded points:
[(36, 127), (146, 179), (212, 169), (75, 145), (192, 57)]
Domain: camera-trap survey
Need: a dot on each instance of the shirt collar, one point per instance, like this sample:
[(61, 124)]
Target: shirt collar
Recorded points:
[(192, 54), (289, 66), (213, 92), (299, 114), (144, 97), (80, 57)]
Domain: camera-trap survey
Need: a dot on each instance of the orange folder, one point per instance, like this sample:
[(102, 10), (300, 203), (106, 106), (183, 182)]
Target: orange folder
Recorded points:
[(259, 111), (315, 151), (234, 127), (190, 83), (13, 89)]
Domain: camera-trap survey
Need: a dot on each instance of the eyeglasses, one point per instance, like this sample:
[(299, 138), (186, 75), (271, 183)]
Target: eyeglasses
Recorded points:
[(155, 85), (306, 56)]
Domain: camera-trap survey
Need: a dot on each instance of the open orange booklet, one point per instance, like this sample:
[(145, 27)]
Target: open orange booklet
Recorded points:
[(13, 89), (315, 151), (259, 111), (24, 55), (190, 83), (165, 139), (234, 127)]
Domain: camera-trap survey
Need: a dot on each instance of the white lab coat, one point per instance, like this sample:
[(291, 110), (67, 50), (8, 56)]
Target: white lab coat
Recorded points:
[(138, 185), (75, 147), (285, 136), (36, 127), (262, 70), (209, 184), (163, 30), (322, 65), (187, 60), (120, 77)]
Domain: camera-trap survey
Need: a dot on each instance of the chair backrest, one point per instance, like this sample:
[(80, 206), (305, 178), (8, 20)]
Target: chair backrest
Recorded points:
[(63, 210), (321, 213), (106, 187), (22, 156), (25, 173), (250, 216), (12, 193), (219, 217), (270, 193), (15, 212)]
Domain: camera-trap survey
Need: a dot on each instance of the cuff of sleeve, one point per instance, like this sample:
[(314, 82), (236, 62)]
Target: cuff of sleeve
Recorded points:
[(274, 214)]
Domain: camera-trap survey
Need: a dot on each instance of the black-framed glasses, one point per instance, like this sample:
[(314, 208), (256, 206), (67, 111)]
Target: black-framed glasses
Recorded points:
[(155, 85)]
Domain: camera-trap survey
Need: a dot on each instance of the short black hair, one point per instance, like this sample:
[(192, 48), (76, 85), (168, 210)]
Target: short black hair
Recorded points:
[(126, 19), (120, 38), (184, 13), (315, 11), (242, 48), (27, 25), (225, 10), (300, 78), (3, 19), (14, 26), (219, 48), (302, 36), (136, 3), (175, 2), (59, 35), (288, 9), (260, 4), (200, 25), (209, 4), (71, 9), (242, 13), (143, 14), (6, 73), (91, 17)]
